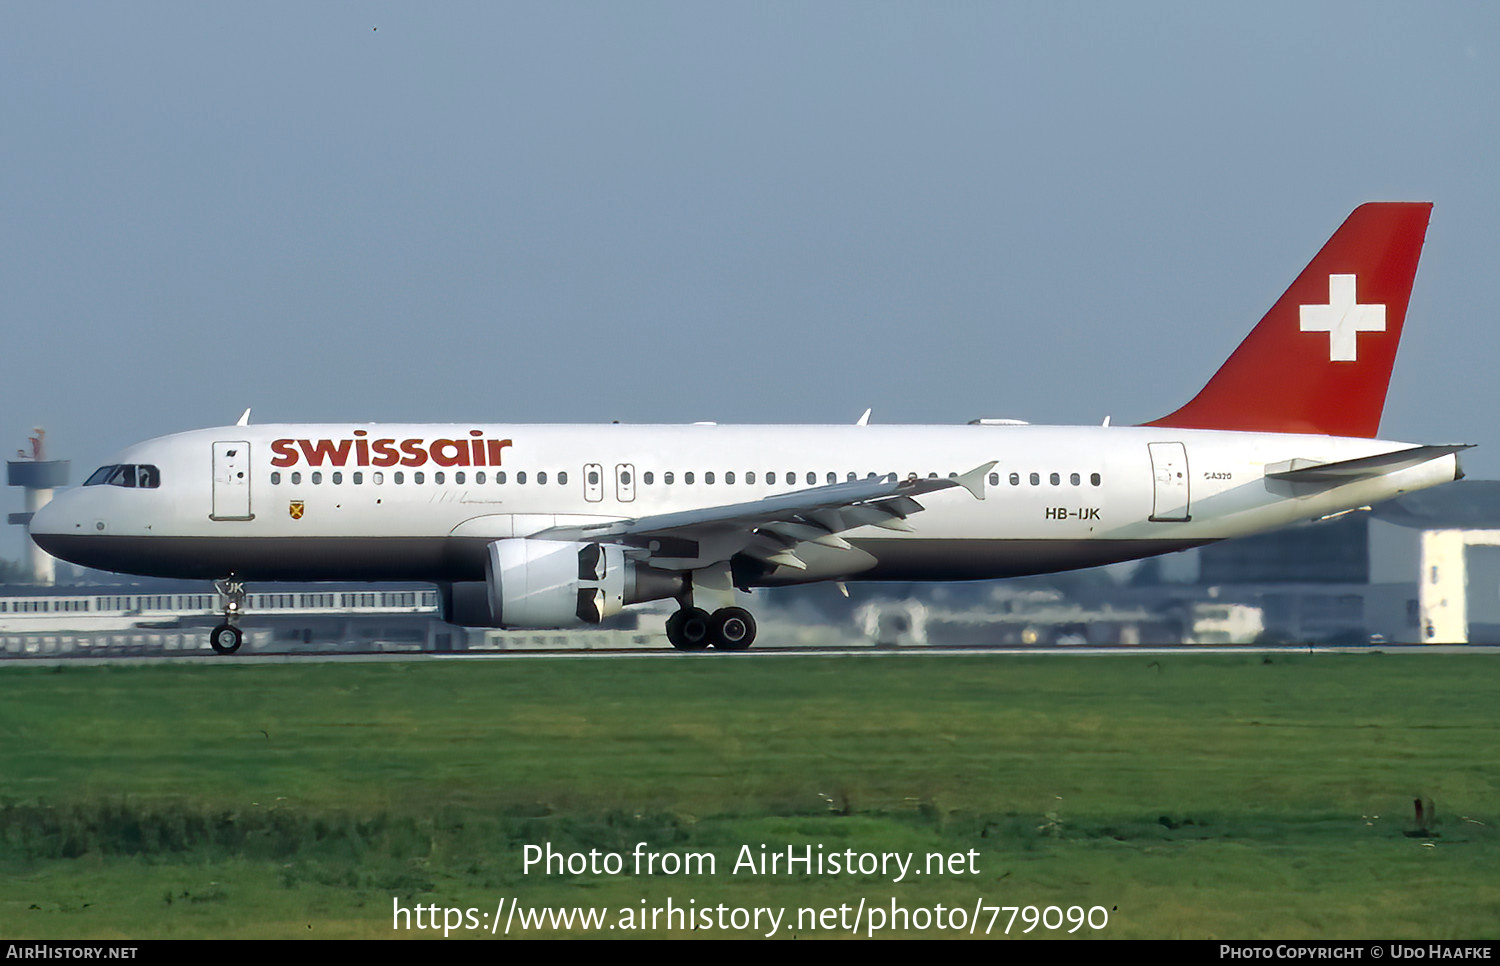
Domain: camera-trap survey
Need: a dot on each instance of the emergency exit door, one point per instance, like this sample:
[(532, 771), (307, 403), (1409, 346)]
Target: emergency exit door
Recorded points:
[(625, 482), (593, 482)]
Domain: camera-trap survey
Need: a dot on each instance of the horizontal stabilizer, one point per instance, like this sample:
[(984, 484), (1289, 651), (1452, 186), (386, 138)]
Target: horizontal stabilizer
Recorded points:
[(1347, 471)]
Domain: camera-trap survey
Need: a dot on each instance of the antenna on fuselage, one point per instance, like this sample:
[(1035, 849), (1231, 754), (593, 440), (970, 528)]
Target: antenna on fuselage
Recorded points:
[(244, 419)]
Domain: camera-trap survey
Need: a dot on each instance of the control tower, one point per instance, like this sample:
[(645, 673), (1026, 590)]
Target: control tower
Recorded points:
[(38, 475)]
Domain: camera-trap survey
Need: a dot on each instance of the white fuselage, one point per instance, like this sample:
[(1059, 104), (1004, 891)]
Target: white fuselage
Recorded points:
[(420, 502)]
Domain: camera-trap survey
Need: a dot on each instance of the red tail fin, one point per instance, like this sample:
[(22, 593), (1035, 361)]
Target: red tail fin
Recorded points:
[(1320, 361)]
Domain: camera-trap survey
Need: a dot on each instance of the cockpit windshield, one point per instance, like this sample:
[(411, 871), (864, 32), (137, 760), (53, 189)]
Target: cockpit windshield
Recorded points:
[(142, 475)]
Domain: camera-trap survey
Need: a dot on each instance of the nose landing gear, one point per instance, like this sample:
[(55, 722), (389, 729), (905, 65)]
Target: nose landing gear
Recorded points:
[(227, 637)]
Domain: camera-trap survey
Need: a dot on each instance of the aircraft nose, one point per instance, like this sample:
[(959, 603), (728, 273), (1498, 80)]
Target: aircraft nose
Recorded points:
[(53, 521), (44, 521)]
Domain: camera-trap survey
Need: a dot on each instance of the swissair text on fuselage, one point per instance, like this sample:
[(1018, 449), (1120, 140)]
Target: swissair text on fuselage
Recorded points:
[(476, 451)]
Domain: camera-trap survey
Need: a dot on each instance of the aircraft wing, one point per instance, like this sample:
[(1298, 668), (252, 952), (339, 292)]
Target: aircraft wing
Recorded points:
[(771, 529)]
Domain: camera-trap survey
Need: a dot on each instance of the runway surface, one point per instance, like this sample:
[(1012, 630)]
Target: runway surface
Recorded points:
[(298, 657)]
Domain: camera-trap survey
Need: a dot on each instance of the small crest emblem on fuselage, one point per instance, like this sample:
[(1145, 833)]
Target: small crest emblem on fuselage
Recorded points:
[(295, 509)]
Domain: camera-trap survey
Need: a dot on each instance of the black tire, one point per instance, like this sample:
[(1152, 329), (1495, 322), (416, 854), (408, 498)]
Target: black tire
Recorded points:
[(225, 639), (690, 629), (733, 629)]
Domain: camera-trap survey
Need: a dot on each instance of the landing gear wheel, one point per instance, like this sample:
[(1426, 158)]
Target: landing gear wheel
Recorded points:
[(689, 629), (225, 639), (733, 628)]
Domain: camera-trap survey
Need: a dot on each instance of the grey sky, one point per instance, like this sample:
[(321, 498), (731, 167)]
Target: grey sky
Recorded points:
[(758, 212)]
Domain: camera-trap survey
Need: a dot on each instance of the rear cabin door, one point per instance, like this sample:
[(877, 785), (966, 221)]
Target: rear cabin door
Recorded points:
[(1169, 468), (232, 481)]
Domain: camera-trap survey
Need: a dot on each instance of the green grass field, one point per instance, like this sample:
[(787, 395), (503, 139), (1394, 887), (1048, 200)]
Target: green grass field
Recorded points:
[(1191, 796)]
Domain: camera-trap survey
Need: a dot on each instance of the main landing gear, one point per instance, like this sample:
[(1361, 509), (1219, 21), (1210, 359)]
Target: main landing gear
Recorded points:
[(726, 629), (226, 638)]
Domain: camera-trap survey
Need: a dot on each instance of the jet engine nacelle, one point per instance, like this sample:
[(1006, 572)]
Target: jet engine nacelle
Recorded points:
[(554, 583)]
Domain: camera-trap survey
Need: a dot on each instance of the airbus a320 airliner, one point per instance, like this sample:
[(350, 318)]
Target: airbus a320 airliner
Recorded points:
[(546, 526)]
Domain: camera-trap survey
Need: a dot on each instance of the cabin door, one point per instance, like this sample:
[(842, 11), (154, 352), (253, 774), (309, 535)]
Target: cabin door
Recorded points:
[(232, 481), (1169, 470)]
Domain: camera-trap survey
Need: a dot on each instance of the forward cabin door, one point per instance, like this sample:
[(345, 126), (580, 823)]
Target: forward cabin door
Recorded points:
[(1169, 469), (232, 481)]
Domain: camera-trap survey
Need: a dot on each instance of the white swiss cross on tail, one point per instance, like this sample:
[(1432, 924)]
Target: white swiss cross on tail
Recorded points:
[(1343, 319)]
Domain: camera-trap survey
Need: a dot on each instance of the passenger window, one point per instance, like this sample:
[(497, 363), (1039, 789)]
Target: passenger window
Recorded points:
[(749, 476), (378, 477), (667, 478), (275, 479), (499, 477), (296, 479), (688, 477), (648, 477), (562, 477), (994, 479), (317, 478), (359, 479), (399, 477), (1036, 479), (478, 478), (791, 478), (1015, 479), (458, 477), (1056, 480), (438, 478), (832, 477), (729, 477), (709, 477), (338, 477), (1094, 479), (1075, 479), (520, 478), (419, 477), (593, 478)]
